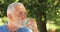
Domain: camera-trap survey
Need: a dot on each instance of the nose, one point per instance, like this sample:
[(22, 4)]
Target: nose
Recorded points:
[(24, 16)]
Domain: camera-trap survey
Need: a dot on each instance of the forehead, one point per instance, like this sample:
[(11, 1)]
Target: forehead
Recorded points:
[(20, 8)]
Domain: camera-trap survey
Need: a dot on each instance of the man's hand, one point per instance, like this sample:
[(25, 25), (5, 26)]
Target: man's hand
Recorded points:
[(32, 24)]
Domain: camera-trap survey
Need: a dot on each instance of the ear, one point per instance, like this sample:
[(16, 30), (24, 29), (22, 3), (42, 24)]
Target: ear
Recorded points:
[(9, 16)]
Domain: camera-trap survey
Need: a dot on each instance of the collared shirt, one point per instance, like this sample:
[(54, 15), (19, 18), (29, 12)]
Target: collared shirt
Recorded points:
[(5, 29)]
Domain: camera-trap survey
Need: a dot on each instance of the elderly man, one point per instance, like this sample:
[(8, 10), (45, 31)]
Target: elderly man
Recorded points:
[(16, 14)]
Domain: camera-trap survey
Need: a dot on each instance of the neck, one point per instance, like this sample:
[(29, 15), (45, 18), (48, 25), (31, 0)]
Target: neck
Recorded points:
[(12, 27)]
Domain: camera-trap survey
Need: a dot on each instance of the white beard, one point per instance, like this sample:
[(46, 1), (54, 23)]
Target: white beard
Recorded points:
[(21, 24)]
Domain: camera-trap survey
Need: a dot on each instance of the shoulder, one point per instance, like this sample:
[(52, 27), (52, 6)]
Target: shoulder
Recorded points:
[(2, 28)]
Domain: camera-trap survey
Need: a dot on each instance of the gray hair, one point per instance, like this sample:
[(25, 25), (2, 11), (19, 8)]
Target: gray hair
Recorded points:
[(11, 7)]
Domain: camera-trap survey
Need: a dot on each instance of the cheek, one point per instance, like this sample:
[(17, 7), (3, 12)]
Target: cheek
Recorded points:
[(15, 18)]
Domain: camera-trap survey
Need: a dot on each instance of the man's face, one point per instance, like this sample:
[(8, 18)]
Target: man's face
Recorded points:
[(20, 12), (19, 15)]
